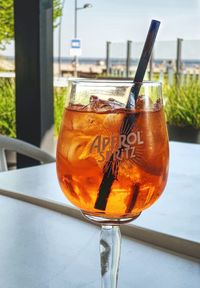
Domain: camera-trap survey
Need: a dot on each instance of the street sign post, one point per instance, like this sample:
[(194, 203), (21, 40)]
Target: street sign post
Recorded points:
[(75, 49)]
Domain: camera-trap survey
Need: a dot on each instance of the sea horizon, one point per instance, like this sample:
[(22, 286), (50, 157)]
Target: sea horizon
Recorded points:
[(114, 61)]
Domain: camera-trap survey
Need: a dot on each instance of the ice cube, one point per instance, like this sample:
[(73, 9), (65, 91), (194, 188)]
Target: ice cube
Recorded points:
[(145, 103), (76, 146), (158, 105), (99, 105)]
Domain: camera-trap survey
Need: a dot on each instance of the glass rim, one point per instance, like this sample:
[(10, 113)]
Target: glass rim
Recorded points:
[(112, 82)]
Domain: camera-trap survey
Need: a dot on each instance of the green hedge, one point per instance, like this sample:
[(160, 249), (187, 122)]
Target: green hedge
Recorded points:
[(59, 102), (7, 107), (182, 105)]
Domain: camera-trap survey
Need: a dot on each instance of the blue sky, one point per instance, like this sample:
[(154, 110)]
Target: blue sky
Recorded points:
[(121, 20)]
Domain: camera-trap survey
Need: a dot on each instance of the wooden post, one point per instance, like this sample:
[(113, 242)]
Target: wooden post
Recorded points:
[(34, 71)]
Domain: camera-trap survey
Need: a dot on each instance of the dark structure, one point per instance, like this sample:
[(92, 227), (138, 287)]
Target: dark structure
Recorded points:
[(34, 71), (128, 57), (179, 56), (108, 62)]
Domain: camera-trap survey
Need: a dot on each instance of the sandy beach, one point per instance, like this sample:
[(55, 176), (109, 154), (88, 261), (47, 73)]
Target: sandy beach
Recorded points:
[(99, 68)]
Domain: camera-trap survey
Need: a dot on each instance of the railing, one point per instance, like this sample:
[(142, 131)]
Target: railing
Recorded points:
[(171, 60)]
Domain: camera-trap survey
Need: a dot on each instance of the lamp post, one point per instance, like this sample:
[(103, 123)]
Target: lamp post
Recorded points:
[(85, 6), (59, 40)]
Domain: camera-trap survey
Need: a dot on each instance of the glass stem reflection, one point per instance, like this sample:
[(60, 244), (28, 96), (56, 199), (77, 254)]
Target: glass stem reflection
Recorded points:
[(110, 246)]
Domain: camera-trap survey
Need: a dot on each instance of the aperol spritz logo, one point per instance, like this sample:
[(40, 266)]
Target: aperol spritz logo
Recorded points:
[(120, 146)]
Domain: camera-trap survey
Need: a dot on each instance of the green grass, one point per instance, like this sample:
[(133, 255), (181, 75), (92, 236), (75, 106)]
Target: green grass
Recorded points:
[(7, 107), (182, 105), (59, 103)]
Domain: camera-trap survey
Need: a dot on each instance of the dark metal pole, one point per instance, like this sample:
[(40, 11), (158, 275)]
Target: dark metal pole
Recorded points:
[(128, 57), (34, 71), (75, 20), (151, 65), (108, 64), (59, 49), (179, 56), (75, 37), (59, 41)]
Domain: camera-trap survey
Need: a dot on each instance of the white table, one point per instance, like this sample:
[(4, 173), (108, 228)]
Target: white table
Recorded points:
[(42, 247)]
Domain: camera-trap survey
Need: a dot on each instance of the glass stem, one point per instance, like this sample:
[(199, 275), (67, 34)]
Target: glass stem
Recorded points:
[(110, 246)]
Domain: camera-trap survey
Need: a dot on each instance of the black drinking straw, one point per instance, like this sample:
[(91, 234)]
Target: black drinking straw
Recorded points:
[(111, 167)]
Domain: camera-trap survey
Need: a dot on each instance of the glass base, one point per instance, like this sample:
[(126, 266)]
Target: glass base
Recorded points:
[(108, 221)]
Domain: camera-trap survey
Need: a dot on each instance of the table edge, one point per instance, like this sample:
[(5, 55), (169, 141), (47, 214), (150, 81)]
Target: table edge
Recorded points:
[(160, 239)]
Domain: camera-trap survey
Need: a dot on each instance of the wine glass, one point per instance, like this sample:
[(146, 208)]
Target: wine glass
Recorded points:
[(112, 161)]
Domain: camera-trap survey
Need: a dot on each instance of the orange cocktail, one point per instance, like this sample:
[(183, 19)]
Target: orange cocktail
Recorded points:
[(87, 141)]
